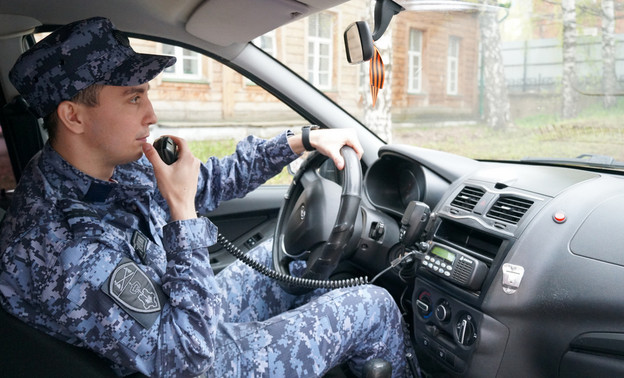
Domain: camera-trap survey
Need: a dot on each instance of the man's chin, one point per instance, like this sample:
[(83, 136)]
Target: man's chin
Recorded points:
[(132, 159)]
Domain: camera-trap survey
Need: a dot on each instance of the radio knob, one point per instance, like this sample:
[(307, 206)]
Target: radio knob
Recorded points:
[(443, 312)]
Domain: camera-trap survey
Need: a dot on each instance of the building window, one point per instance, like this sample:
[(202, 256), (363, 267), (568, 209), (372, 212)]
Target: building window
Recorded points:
[(320, 50), (267, 43), (414, 54), (188, 65), (452, 66)]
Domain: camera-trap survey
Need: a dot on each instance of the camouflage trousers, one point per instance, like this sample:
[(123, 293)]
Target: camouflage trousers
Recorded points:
[(266, 332)]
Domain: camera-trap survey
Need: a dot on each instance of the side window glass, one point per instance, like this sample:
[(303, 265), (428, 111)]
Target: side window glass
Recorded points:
[(7, 179), (212, 106)]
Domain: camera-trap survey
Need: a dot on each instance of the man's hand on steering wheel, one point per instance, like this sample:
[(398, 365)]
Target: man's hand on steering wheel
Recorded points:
[(329, 142), (318, 218)]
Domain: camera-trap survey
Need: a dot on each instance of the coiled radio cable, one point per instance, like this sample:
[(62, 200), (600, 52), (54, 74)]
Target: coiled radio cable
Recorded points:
[(296, 281)]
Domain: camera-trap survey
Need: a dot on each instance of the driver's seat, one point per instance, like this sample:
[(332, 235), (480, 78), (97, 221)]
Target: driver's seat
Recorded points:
[(28, 352)]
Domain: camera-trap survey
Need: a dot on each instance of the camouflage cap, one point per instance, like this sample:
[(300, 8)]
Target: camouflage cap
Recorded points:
[(76, 56)]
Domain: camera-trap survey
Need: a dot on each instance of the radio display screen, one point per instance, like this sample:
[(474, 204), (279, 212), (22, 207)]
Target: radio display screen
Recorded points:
[(443, 253)]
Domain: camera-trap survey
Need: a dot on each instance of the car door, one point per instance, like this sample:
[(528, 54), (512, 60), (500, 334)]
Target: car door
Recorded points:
[(246, 222)]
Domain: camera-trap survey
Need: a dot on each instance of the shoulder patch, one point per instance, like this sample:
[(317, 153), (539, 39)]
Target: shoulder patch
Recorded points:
[(135, 292)]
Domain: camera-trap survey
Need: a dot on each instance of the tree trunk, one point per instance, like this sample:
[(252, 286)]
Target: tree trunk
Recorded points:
[(568, 80), (379, 118), (609, 79), (497, 107)]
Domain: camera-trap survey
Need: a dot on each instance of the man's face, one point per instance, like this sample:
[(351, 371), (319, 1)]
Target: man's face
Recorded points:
[(119, 124)]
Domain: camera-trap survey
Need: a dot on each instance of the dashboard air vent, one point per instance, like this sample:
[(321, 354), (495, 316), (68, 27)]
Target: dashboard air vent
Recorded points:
[(510, 209), (468, 198)]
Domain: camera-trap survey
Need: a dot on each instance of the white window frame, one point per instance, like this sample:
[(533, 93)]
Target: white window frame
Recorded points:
[(452, 66), (267, 43), (315, 58), (414, 58), (177, 70)]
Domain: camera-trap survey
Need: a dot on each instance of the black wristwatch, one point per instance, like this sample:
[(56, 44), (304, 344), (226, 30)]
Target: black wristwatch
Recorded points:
[(305, 137)]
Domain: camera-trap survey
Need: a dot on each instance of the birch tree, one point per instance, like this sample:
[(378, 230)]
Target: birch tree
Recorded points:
[(568, 80), (609, 79), (379, 117), (497, 107)]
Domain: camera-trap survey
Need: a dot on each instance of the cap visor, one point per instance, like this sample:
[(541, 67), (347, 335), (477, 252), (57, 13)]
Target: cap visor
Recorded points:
[(137, 69)]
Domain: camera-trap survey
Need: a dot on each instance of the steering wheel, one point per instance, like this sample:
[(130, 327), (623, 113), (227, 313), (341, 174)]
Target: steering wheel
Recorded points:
[(317, 219)]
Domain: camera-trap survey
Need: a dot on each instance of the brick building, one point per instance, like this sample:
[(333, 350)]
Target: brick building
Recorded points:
[(434, 68)]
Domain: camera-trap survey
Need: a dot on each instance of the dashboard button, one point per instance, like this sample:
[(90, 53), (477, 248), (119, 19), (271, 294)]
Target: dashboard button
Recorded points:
[(442, 353), (559, 217)]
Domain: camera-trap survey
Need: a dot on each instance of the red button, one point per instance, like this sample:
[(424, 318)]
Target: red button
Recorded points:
[(559, 217)]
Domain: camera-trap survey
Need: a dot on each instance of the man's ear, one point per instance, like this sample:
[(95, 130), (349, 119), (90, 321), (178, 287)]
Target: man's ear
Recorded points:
[(70, 115)]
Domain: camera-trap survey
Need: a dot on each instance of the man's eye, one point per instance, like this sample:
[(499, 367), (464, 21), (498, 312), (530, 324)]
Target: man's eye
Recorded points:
[(135, 99)]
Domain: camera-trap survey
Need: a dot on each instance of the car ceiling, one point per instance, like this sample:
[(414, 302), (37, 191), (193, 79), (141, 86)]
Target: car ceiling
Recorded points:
[(218, 22), (220, 27)]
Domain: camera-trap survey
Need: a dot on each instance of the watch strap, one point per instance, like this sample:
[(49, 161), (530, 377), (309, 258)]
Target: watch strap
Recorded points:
[(305, 137)]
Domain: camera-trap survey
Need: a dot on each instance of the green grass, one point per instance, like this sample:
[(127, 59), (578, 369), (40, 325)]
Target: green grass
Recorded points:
[(221, 148), (594, 131)]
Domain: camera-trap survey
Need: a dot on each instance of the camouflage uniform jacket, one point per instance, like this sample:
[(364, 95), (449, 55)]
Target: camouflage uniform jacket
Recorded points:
[(98, 264)]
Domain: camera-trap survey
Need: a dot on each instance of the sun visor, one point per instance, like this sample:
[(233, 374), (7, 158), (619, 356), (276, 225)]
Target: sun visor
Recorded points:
[(15, 26), (212, 21)]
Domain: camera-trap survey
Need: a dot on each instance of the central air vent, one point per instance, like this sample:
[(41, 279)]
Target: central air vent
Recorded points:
[(510, 209), (468, 198)]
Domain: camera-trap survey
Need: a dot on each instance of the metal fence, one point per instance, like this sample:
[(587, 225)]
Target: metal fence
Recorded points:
[(536, 65)]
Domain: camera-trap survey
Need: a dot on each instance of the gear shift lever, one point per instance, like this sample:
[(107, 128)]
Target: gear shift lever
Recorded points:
[(377, 368)]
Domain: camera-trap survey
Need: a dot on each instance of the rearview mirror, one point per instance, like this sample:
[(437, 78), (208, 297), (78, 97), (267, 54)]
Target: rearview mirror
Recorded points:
[(358, 42)]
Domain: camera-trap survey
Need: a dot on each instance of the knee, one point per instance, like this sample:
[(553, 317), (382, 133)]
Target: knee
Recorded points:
[(379, 295), (377, 301)]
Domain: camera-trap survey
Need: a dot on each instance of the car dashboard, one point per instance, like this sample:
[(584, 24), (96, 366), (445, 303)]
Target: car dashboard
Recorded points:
[(520, 267)]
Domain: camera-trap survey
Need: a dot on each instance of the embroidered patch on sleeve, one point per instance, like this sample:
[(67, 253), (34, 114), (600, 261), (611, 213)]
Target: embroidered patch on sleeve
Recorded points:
[(135, 292)]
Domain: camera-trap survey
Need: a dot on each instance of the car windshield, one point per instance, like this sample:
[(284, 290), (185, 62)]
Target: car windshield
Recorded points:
[(527, 79)]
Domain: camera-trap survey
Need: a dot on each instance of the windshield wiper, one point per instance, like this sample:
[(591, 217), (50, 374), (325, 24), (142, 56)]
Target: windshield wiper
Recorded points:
[(588, 160)]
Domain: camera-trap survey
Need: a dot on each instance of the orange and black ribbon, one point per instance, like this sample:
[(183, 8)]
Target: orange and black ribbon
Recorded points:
[(376, 74)]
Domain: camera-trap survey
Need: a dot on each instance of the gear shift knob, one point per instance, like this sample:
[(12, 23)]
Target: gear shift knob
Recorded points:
[(377, 368)]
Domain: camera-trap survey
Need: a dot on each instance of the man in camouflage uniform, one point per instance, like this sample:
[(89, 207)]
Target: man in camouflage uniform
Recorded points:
[(102, 248)]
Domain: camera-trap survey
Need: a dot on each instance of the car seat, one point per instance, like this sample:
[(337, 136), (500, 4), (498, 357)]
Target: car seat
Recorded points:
[(23, 133), (28, 352)]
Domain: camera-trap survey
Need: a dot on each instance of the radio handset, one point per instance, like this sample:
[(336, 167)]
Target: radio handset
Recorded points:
[(167, 149)]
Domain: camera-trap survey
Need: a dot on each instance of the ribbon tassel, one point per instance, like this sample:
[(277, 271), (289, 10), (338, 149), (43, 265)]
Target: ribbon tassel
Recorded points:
[(376, 74)]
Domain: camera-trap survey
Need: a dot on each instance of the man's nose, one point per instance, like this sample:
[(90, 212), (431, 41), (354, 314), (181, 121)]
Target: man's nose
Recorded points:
[(150, 115)]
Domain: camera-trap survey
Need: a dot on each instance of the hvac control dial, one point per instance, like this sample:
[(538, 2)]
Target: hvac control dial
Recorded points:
[(443, 311), (466, 330), (424, 305)]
